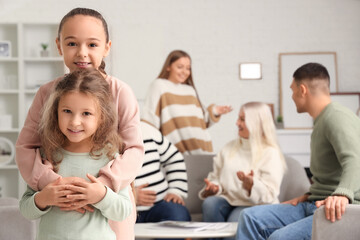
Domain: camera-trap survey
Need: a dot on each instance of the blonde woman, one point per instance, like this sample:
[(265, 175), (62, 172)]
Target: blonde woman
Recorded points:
[(248, 170)]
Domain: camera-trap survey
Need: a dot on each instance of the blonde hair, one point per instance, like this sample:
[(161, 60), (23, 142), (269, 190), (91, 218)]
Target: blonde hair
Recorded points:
[(106, 137), (260, 123)]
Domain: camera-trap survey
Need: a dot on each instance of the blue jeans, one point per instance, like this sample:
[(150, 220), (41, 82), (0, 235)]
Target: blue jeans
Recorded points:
[(217, 209), (163, 211), (277, 221)]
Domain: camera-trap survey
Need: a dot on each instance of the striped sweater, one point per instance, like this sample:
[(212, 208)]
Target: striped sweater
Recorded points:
[(175, 110), (163, 168)]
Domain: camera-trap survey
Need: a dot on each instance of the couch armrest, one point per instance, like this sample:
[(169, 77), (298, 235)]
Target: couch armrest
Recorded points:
[(346, 228)]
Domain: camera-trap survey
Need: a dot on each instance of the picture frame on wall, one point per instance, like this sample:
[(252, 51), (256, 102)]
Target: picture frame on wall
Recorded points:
[(350, 100), (288, 63), (250, 71), (5, 49)]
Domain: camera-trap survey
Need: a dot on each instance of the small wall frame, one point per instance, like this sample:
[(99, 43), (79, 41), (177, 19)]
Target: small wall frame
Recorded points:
[(250, 71)]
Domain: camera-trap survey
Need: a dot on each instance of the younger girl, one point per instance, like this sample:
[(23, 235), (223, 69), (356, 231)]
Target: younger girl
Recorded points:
[(78, 132), (173, 106), (248, 170), (83, 41)]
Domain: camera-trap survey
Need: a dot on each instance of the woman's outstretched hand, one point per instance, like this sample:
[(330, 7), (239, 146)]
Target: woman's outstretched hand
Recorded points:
[(220, 110), (210, 189)]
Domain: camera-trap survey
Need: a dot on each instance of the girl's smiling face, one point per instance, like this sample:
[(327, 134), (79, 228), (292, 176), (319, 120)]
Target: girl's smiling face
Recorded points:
[(83, 42), (180, 70), (78, 117)]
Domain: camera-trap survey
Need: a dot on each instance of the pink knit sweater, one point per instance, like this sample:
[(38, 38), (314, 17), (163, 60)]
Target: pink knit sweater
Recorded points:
[(119, 173)]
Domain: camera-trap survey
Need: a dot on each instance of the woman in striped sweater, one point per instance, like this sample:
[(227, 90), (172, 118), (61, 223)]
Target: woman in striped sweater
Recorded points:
[(161, 186), (173, 106)]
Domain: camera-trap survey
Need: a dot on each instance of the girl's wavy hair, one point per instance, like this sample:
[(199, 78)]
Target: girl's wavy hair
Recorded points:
[(171, 58), (91, 13), (105, 139), (260, 123)]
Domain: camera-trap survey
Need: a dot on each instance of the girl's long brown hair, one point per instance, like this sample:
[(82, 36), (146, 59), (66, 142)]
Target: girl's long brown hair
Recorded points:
[(91, 13), (106, 137), (173, 57)]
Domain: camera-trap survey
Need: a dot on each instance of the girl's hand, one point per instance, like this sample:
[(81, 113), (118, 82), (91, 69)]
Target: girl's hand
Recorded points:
[(144, 197), (53, 194), (174, 198), (210, 189), (247, 179), (220, 110), (85, 193)]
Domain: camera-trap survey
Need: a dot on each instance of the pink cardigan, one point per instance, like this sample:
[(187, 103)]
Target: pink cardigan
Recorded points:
[(119, 173)]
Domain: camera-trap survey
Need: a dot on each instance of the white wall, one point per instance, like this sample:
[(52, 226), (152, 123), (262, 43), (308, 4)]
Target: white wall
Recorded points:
[(218, 34)]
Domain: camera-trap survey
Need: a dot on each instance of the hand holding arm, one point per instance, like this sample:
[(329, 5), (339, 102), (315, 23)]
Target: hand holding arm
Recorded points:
[(334, 206), (144, 197), (85, 192), (54, 194)]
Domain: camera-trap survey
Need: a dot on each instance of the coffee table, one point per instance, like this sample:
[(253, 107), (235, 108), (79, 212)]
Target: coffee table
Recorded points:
[(155, 230)]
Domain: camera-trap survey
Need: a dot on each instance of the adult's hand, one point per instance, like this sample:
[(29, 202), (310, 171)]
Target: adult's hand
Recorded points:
[(297, 200), (220, 110), (53, 194), (144, 197), (247, 179), (174, 198), (85, 193), (210, 189), (334, 207)]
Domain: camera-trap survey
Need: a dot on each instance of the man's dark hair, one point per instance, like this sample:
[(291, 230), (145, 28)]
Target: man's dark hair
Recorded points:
[(311, 71)]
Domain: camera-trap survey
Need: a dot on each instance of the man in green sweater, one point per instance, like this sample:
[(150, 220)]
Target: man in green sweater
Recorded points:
[(335, 165)]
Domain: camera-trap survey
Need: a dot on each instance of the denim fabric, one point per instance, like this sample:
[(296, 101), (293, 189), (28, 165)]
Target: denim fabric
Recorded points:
[(217, 209), (163, 211), (278, 221)]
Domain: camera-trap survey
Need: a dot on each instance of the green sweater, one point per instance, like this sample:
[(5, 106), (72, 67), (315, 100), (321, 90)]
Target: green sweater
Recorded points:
[(335, 154), (71, 225)]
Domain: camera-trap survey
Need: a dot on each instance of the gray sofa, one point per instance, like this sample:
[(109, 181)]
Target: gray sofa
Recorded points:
[(294, 184), (347, 228), (12, 224)]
